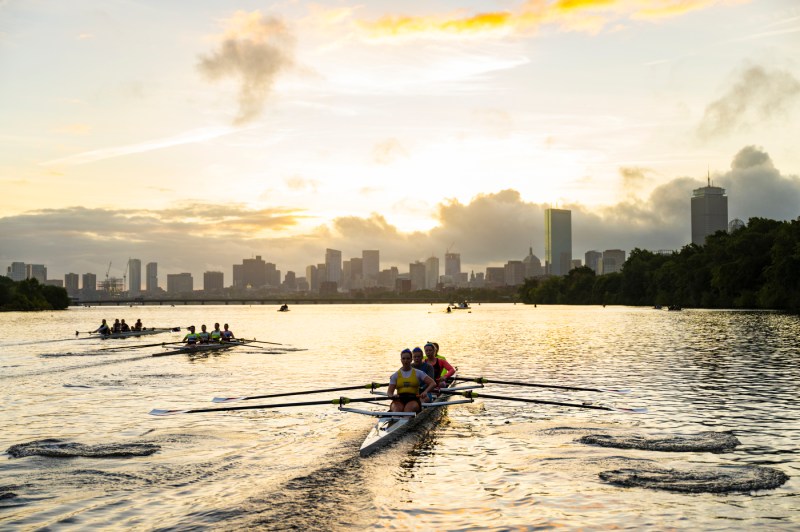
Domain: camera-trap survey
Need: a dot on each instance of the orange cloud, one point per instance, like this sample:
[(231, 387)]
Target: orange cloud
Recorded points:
[(575, 15)]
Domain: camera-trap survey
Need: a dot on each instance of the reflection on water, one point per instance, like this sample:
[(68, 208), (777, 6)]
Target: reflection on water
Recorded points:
[(489, 465)]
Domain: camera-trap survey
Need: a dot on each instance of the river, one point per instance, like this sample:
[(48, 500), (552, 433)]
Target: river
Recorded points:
[(488, 465)]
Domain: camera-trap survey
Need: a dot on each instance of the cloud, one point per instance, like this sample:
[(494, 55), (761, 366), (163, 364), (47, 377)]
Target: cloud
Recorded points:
[(488, 230), (254, 51), (574, 15), (388, 151), (300, 184), (758, 95), (633, 178), (73, 129)]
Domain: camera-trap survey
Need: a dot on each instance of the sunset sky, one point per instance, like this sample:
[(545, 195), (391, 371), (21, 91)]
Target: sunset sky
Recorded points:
[(195, 134)]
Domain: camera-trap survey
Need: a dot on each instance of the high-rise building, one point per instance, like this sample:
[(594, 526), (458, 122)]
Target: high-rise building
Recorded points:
[(134, 277), (333, 265), (495, 276), (514, 273), (371, 259), (312, 278), (88, 284), (36, 271), (346, 275), (213, 281), (388, 278), (432, 273), (254, 273), (594, 260), (416, 273), (557, 241), (613, 259), (71, 284), (290, 281), (273, 275), (709, 212), (17, 271), (452, 265), (151, 277), (180, 283)]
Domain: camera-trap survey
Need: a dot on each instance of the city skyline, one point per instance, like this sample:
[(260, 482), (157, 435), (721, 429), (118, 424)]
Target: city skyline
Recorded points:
[(161, 131)]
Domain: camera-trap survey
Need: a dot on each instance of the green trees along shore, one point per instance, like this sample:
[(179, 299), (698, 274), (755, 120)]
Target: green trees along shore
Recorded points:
[(30, 295), (756, 267)]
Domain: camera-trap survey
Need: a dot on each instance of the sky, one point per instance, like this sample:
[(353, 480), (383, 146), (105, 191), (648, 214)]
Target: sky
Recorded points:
[(196, 134)]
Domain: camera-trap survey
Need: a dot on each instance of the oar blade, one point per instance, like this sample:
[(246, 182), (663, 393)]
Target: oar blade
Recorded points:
[(629, 410), (227, 399), (613, 390), (160, 412)]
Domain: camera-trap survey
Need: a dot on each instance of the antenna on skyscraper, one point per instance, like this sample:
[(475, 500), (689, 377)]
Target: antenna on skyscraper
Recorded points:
[(709, 175)]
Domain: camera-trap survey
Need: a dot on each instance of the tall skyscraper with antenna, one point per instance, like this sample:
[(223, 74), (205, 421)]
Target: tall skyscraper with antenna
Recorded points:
[(709, 212)]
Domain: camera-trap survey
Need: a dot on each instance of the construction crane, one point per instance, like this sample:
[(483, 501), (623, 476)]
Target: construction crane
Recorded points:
[(125, 274), (108, 270), (449, 248)]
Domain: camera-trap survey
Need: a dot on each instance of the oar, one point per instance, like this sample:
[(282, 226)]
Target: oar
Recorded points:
[(481, 380), (137, 346), (340, 401), (474, 395), (370, 386), (260, 342)]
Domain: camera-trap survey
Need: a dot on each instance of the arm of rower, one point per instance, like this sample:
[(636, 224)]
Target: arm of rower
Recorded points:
[(450, 369), (431, 385)]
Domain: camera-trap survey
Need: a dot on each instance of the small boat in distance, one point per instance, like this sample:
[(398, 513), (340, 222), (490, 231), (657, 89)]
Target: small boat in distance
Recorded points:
[(460, 306), (284, 308)]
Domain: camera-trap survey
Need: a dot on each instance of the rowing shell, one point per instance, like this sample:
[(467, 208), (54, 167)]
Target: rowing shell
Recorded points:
[(131, 334), (392, 426), (198, 348)]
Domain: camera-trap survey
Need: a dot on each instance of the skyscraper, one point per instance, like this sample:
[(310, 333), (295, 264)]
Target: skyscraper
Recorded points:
[(372, 263), (134, 277), (432, 273), (71, 284), (36, 271), (557, 241), (89, 284), (213, 281), (333, 265), (709, 212), (17, 271), (594, 260), (416, 272), (452, 264), (151, 273)]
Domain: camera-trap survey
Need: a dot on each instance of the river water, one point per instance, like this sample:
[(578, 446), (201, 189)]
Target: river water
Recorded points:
[(489, 465)]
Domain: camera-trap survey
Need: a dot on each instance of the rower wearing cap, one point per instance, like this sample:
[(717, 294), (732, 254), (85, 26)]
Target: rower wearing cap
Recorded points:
[(418, 362), (203, 337), (227, 335), (216, 334), (406, 382), (103, 329), (191, 336), (442, 370)]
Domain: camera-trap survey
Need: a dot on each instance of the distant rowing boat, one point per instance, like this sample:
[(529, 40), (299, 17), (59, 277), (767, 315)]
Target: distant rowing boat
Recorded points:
[(129, 334), (198, 348)]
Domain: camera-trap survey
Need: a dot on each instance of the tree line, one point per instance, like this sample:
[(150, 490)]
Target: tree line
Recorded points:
[(753, 267), (31, 295)]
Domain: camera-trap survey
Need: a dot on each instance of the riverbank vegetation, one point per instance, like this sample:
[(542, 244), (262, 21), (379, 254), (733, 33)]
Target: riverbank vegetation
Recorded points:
[(30, 295), (754, 267)]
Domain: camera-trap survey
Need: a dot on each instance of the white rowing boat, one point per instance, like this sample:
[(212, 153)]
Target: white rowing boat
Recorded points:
[(198, 348), (391, 426), (132, 334)]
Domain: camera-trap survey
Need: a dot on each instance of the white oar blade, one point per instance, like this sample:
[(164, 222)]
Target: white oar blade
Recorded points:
[(623, 390), (630, 410), (227, 399), (158, 412)]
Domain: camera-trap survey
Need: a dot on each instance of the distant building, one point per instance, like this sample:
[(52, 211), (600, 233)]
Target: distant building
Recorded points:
[(213, 281), (302, 284), (416, 274), (290, 281), (613, 260), (254, 273), (54, 282), (477, 280), (17, 271), (514, 273), (557, 241), (273, 275), (495, 276), (88, 284), (388, 278), (709, 212), (735, 225), (238, 276), (402, 286), (432, 273), (346, 273), (134, 277), (371, 259), (71, 284), (594, 260), (311, 278), (36, 271), (151, 277), (575, 263), (452, 265), (328, 288), (333, 265), (533, 265), (180, 283)]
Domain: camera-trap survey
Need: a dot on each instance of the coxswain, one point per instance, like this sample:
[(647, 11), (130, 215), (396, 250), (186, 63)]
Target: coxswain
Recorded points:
[(227, 335), (406, 382), (117, 326), (216, 334), (124, 327), (191, 336), (103, 329), (442, 370), (138, 325), (203, 337)]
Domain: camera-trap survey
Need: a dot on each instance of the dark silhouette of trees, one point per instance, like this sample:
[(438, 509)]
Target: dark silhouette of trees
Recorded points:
[(30, 295), (757, 266)]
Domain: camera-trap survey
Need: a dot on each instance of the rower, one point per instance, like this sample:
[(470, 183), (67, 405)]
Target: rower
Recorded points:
[(216, 334), (117, 326), (191, 337), (124, 327), (227, 335), (203, 337), (138, 325), (442, 370), (406, 382), (103, 329), (418, 363)]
